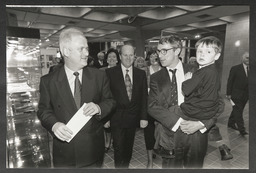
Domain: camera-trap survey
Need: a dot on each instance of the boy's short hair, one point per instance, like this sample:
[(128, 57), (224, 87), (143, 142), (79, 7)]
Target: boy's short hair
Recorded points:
[(211, 41), (172, 39)]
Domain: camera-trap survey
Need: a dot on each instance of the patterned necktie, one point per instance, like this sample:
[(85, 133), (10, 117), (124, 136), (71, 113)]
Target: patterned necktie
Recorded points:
[(128, 85), (174, 92), (77, 91)]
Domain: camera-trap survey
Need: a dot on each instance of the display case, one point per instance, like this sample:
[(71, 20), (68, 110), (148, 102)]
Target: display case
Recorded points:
[(27, 142)]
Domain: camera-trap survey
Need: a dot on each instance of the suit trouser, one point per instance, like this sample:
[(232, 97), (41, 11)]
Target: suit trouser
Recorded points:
[(149, 134), (236, 116), (123, 140), (190, 150)]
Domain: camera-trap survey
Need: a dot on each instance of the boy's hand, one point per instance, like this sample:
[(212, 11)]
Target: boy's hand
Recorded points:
[(188, 75)]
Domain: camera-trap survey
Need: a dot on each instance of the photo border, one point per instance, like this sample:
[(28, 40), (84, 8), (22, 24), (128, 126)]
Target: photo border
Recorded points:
[(252, 79)]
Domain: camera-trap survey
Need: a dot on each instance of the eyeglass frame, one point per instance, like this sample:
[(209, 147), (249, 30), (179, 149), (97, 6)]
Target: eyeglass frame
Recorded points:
[(165, 50)]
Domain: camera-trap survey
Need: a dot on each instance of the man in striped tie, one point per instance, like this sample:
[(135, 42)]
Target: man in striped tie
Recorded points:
[(165, 92), (63, 92), (129, 87)]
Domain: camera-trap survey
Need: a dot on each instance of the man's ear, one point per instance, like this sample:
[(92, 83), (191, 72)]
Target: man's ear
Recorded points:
[(217, 56), (66, 52), (177, 51)]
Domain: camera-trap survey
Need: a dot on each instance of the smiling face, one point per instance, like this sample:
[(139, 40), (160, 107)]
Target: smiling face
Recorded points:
[(153, 59), (127, 56), (76, 52), (170, 59), (112, 59), (140, 62), (206, 55)]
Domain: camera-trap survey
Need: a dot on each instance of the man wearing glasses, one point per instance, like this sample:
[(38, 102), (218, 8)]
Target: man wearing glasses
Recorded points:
[(165, 91)]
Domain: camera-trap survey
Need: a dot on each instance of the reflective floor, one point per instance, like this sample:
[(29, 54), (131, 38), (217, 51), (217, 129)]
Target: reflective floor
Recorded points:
[(239, 148)]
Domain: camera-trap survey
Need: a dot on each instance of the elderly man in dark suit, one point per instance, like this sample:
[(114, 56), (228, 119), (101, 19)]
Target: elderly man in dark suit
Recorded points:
[(62, 92), (165, 91), (100, 61), (129, 87), (237, 91)]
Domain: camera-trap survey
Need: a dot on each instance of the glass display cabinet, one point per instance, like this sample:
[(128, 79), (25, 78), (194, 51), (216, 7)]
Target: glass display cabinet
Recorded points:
[(27, 142)]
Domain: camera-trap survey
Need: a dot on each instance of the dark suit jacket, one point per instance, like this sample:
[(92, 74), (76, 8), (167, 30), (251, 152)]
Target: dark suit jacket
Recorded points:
[(57, 105), (237, 85), (159, 99), (128, 113)]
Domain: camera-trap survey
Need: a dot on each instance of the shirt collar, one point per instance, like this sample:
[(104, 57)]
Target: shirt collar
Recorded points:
[(179, 67), (124, 68), (70, 72), (245, 66)]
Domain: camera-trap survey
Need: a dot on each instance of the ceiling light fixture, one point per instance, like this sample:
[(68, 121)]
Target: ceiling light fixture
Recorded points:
[(237, 43), (197, 36)]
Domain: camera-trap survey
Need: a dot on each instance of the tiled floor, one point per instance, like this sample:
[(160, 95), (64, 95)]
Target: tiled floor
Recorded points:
[(239, 148)]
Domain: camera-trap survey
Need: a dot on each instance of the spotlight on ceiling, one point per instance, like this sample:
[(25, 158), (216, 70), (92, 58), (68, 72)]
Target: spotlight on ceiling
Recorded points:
[(197, 36)]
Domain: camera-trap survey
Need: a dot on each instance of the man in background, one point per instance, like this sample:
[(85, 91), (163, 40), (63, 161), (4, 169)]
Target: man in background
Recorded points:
[(100, 61), (237, 91)]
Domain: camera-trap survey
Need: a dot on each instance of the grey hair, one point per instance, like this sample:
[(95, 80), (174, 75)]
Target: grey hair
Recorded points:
[(66, 37)]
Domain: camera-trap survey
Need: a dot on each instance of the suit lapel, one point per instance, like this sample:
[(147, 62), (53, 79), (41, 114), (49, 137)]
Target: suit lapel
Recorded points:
[(65, 92), (165, 82), (135, 81), (243, 71), (87, 86)]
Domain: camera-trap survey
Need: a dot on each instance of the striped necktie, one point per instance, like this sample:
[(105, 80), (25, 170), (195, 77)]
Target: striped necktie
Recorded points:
[(128, 84), (174, 91), (77, 91)]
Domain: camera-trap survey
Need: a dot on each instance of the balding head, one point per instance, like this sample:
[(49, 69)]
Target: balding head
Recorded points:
[(100, 56), (245, 58)]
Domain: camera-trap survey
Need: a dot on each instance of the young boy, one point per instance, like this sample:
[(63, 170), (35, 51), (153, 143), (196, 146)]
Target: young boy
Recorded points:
[(201, 90)]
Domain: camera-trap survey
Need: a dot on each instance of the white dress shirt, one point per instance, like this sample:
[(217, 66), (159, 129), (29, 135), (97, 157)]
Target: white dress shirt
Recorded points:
[(180, 77), (245, 68), (71, 78)]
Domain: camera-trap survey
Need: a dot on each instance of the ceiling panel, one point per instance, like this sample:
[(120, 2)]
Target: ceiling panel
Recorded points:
[(57, 20), (207, 23), (130, 11), (90, 24), (39, 25), (220, 11), (105, 16), (194, 17), (179, 28), (102, 31), (119, 27), (66, 11), (20, 15), (162, 13), (192, 8), (237, 17)]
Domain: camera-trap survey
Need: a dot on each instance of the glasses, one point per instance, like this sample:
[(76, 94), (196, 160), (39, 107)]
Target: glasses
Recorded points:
[(164, 51)]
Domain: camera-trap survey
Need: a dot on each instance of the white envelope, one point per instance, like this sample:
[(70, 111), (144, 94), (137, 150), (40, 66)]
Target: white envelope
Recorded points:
[(77, 122)]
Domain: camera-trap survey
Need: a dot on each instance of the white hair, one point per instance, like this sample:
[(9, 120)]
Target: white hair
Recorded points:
[(66, 37)]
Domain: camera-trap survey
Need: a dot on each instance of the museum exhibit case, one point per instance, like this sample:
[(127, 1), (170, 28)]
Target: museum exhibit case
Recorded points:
[(27, 142)]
